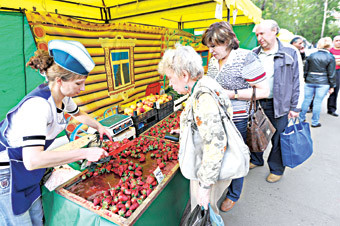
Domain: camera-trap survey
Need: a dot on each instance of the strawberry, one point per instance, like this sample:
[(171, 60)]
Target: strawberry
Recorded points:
[(112, 191), (161, 165), (120, 205), (150, 179), (106, 193), (108, 200), (114, 209), (148, 191), (128, 204), (123, 198), (138, 173), (128, 213), (96, 201), (134, 205), (142, 158), (121, 212)]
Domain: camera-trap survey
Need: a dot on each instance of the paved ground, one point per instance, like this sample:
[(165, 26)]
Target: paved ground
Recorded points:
[(306, 195)]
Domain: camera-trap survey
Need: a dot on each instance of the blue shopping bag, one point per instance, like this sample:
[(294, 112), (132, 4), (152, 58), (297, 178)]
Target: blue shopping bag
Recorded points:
[(216, 220), (296, 143)]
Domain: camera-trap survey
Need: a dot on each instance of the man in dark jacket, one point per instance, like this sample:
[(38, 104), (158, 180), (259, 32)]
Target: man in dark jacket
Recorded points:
[(282, 70)]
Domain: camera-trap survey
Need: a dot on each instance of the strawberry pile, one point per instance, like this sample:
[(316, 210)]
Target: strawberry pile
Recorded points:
[(166, 125), (134, 185)]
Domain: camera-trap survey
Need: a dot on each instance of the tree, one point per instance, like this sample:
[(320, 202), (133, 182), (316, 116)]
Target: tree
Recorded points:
[(302, 17)]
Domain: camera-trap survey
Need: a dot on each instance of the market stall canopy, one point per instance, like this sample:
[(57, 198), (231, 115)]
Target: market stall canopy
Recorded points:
[(190, 14), (285, 35)]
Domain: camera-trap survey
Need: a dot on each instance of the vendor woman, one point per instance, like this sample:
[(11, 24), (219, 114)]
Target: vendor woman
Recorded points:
[(31, 126)]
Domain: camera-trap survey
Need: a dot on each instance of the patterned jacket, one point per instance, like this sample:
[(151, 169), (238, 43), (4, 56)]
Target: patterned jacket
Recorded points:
[(209, 137)]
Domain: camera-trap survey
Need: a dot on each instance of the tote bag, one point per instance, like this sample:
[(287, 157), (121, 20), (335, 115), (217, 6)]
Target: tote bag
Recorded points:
[(235, 162), (296, 143)]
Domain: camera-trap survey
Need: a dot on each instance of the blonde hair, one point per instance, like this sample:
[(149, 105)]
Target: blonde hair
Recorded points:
[(43, 62), (324, 43), (182, 58)]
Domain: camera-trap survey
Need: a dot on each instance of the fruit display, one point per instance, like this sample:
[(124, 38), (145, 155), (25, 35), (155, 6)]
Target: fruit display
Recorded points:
[(146, 104), (166, 125), (118, 186)]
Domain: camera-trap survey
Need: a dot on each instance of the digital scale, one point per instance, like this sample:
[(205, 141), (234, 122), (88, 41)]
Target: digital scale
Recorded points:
[(115, 124)]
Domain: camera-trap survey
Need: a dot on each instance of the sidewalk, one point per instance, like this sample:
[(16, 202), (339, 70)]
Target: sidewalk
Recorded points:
[(306, 195)]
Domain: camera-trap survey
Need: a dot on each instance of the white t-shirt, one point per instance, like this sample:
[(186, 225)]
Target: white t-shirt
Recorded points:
[(36, 121)]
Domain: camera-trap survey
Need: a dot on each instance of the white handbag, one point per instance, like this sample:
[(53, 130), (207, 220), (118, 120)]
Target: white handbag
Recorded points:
[(235, 162)]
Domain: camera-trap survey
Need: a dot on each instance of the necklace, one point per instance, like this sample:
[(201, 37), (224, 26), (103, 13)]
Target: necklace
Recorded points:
[(192, 89)]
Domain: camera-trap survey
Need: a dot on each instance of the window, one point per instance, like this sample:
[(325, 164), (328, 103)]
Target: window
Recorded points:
[(119, 65), (120, 68)]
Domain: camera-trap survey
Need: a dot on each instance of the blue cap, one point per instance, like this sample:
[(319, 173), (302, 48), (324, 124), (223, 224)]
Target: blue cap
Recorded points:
[(71, 55)]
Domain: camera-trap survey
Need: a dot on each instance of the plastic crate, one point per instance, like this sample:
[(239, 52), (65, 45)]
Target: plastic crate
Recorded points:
[(165, 109), (145, 121), (178, 102)]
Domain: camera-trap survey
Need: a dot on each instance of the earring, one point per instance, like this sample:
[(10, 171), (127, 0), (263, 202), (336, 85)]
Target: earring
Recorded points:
[(186, 87)]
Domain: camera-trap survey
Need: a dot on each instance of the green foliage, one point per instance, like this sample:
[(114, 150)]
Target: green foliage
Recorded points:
[(302, 17)]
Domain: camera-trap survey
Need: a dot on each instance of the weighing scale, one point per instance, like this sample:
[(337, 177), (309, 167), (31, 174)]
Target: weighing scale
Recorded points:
[(115, 124)]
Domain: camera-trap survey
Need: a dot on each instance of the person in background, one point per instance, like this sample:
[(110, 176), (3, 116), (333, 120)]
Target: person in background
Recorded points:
[(319, 78), (236, 70), (300, 45), (32, 125), (332, 99), (281, 64), (183, 67)]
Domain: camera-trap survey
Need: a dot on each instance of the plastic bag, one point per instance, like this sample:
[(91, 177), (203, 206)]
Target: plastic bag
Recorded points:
[(216, 220), (198, 217)]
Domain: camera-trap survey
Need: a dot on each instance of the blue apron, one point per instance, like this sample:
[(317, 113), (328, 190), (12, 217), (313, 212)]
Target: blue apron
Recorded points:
[(25, 187)]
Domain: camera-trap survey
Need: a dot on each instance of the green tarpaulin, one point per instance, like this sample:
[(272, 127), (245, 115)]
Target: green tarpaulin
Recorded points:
[(16, 46)]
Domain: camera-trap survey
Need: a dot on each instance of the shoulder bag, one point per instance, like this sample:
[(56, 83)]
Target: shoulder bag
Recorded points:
[(235, 162), (259, 129)]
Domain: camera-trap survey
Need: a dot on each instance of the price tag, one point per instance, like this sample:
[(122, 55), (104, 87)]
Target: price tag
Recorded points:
[(158, 174), (158, 106)]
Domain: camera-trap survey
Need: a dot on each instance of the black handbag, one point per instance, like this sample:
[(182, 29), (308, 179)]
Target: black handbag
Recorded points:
[(259, 129)]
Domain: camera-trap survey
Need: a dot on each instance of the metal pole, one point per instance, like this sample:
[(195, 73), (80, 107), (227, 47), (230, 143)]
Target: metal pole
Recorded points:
[(324, 18)]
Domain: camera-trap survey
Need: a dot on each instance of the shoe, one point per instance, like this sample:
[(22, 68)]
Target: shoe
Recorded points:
[(227, 205), (252, 165), (317, 125), (332, 113), (272, 178)]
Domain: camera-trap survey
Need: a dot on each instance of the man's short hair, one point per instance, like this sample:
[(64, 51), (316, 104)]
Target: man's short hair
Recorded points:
[(295, 40), (272, 24)]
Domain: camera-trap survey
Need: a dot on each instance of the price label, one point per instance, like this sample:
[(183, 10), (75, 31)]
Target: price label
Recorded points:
[(158, 174)]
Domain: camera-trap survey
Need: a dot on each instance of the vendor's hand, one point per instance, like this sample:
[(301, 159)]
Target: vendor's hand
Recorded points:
[(94, 154), (330, 91), (203, 197), (174, 131), (293, 114), (103, 131)]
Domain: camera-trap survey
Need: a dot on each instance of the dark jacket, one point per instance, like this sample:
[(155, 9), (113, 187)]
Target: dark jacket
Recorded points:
[(286, 80), (320, 68)]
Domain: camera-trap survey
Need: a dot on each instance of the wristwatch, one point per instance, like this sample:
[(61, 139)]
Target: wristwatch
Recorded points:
[(236, 94)]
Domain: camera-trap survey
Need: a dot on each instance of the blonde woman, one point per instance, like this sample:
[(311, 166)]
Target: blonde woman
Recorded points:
[(319, 74)]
